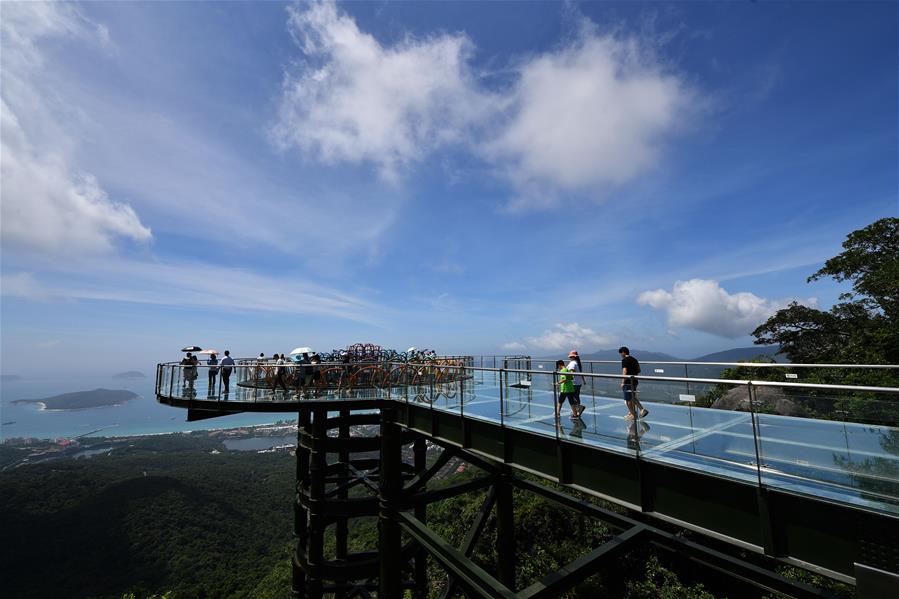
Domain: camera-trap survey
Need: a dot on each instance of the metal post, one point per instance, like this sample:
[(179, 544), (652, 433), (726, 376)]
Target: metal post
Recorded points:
[(755, 434), (300, 515), (390, 483), (505, 530), (419, 453), (315, 541), (342, 526), (686, 376), (502, 406)]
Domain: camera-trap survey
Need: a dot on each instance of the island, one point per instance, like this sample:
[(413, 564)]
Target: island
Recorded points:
[(130, 374), (81, 400), (7, 378)]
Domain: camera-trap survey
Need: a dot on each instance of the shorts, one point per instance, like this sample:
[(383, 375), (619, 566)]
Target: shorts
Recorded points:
[(628, 394)]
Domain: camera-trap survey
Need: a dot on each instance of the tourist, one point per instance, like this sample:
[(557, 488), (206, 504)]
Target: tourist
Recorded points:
[(227, 366), (303, 375), (566, 391), (279, 373), (630, 367), (574, 365), (212, 362), (186, 372)]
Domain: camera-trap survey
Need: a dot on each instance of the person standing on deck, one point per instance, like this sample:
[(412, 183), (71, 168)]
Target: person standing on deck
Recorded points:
[(574, 365), (279, 373), (566, 391), (630, 367), (212, 362), (227, 366)]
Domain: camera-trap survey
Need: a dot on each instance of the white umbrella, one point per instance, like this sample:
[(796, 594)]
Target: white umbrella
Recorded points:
[(209, 351), (301, 350), (193, 348)]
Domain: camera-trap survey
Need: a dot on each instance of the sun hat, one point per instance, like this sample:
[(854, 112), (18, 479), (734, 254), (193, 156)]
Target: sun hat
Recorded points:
[(572, 353)]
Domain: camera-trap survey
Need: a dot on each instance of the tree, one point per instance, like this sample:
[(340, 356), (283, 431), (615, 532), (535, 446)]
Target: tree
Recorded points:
[(864, 326)]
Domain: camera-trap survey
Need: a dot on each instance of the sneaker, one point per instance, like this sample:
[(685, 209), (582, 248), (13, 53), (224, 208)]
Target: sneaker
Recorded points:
[(644, 413), (580, 410), (629, 416)]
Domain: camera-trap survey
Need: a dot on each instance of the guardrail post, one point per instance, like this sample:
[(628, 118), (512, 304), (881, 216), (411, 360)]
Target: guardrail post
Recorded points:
[(502, 405), (756, 440)]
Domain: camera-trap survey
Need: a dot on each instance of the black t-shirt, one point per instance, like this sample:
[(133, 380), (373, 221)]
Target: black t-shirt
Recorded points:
[(631, 366)]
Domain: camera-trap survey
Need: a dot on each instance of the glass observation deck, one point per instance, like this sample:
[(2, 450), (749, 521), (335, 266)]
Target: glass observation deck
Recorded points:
[(836, 442)]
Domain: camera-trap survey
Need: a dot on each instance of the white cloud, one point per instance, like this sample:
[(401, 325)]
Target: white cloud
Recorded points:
[(515, 346), (354, 100), (703, 305), (588, 117), (48, 203), (22, 284), (569, 336), (192, 285), (584, 118)]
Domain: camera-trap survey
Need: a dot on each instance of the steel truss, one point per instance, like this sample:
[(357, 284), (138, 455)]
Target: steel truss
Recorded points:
[(392, 469)]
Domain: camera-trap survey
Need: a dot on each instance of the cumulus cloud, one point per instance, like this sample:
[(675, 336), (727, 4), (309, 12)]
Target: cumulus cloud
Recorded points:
[(589, 116), (704, 306), (352, 99), (48, 203), (563, 336)]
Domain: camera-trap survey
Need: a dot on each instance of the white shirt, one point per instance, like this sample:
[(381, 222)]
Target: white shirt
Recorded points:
[(573, 367)]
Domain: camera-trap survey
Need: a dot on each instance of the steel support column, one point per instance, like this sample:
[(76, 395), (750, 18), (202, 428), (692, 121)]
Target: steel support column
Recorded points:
[(505, 530), (300, 514), (315, 544), (390, 487), (419, 453)]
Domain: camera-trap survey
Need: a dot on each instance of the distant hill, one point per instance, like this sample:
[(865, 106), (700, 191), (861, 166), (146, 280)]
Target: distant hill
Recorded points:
[(80, 400), (130, 374), (6, 378), (642, 355), (736, 354), (740, 354)]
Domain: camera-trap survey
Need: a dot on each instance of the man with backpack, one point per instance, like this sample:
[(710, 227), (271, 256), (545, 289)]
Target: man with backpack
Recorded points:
[(630, 367)]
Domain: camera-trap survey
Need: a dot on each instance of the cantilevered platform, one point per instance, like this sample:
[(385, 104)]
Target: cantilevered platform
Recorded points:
[(822, 494)]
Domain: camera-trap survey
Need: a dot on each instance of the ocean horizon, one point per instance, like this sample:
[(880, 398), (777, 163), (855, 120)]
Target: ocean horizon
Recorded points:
[(140, 416)]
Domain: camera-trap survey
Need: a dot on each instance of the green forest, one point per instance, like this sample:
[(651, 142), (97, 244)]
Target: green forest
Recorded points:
[(164, 516)]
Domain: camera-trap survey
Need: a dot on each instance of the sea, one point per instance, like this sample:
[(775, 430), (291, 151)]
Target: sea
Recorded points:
[(141, 416)]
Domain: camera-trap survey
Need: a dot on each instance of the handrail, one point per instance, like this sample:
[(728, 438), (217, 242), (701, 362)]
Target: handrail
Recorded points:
[(548, 373)]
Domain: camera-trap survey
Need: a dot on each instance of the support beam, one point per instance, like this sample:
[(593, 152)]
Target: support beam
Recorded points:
[(471, 576), (389, 538), (505, 530)]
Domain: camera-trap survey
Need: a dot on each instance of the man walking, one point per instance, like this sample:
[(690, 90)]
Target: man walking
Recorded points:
[(630, 367), (227, 365)]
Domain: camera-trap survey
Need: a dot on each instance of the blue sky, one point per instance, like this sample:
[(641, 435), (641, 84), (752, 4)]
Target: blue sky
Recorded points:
[(470, 177)]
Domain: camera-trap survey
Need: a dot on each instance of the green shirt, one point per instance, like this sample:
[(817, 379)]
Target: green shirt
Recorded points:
[(567, 381)]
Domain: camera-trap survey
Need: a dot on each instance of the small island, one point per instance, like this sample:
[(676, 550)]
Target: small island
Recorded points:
[(81, 400), (130, 374), (8, 378)]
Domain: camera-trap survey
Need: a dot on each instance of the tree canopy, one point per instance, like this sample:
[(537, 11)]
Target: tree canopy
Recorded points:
[(864, 326)]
